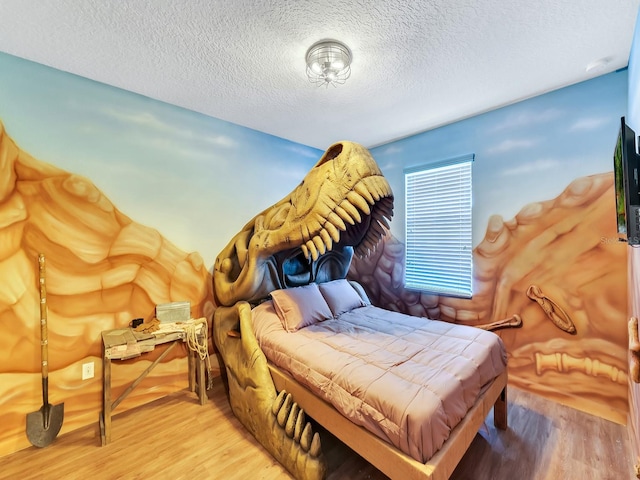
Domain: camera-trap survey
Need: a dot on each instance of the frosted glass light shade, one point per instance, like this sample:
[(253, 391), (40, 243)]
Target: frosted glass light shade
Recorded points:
[(328, 63)]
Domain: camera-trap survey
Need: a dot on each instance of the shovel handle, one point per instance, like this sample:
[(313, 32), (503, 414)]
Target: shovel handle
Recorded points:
[(44, 336)]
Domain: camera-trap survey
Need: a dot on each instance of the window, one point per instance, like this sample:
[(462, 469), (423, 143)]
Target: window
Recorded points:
[(438, 227)]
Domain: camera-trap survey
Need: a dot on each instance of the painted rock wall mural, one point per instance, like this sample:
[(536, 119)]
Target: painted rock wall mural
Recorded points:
[(568, 248), (103, 269), (72, 149)]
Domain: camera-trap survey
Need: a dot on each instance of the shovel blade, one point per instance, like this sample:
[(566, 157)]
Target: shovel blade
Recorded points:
[(43, 426)]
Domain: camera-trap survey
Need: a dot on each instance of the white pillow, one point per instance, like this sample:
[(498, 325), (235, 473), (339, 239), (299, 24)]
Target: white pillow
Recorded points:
[(300, 307), (340, 296)]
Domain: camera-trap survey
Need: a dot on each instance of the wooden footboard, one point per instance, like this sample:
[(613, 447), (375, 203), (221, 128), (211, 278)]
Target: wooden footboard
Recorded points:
[(385, 457)]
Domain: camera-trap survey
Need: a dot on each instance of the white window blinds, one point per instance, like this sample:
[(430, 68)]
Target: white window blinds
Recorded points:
[(438, 227)]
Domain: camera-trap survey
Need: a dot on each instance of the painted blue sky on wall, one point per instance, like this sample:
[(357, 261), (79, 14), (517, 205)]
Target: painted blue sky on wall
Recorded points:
[(154, 161), (526, 152)]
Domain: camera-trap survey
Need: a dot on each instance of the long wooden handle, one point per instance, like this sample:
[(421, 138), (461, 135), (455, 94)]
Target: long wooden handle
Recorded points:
[(44, 336)]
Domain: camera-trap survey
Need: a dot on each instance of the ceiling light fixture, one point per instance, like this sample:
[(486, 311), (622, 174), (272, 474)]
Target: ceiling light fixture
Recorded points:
[(328, 63)]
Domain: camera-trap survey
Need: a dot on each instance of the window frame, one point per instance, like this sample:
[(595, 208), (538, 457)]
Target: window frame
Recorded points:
[(452, 273)]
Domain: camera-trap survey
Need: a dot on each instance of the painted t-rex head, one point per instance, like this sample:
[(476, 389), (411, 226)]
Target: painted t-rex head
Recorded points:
[(342, 206)]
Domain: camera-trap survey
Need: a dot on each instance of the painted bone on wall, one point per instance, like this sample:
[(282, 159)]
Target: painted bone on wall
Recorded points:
[(567, 247), (544, 215)]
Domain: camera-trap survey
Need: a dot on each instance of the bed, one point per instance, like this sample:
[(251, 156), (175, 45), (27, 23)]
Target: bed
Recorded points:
[(305, 243), (395, 388)]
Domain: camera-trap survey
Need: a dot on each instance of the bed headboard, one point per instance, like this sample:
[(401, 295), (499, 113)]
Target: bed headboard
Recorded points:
[(341, 208)]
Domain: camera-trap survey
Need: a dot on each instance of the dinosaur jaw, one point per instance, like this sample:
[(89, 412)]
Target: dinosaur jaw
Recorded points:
[(359, 220), (343, 206)]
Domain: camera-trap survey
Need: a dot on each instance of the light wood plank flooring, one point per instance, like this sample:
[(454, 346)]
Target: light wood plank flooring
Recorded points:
[(176, 438)]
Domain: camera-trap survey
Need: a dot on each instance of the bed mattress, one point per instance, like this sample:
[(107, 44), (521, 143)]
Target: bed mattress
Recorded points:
[(408, 380)]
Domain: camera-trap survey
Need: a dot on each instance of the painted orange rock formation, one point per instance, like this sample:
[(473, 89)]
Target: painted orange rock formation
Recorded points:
[(566, 246), (103, 269)]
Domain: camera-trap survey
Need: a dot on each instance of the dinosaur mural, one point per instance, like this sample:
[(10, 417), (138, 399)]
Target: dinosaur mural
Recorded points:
[(341, 207)]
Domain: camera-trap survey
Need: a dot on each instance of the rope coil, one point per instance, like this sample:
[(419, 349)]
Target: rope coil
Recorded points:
[(197, 341)]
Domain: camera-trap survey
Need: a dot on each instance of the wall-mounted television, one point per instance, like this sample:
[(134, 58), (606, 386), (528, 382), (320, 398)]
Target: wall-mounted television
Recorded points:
[(626, 168)]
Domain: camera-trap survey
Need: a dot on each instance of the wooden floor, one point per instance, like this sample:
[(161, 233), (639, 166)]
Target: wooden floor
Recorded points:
[(177, 438)]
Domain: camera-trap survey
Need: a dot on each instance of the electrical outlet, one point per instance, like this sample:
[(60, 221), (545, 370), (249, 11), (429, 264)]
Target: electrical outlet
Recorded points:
[(87, 370)]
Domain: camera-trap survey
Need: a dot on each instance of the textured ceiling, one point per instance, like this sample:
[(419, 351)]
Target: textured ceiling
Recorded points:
[(417, 65)]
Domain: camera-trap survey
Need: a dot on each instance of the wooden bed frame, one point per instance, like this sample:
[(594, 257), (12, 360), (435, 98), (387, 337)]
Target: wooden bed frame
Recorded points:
[(384, 456)]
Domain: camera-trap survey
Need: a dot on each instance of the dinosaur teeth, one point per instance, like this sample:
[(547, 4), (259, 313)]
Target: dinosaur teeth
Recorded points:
[(385, 206), (344, 215), (372, 236), (306, 438), (314, 226), (311, 247), (326, 238), (370, 241), (377, 228), (360, 251), (283, 413), (319, 243), (300, 422), (332, 231), (378, 187), (352, 211), (337, 221), (362, 189), (372, 196), (291, 420), (277, 403), (368, 244), (316, 447), (357, 200), (383, 221), (380, 218), (375, 191)]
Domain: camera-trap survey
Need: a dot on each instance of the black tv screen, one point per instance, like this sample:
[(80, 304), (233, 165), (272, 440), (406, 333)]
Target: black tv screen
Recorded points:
[(626, 167)]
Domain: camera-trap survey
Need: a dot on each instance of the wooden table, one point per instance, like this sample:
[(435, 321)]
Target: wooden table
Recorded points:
[(124, 343)]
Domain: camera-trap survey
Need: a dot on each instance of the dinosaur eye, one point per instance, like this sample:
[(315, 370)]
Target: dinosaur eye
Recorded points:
[(332, 153)]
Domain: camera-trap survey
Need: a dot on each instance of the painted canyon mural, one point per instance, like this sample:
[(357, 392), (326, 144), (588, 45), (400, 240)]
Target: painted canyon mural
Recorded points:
[(131, 200), (103, 269), (568, 248)]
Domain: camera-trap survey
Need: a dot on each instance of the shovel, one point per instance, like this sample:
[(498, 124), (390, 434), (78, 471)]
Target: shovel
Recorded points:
[(44, 425)]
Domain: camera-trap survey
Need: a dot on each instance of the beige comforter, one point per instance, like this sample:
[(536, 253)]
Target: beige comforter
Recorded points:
[(406, 379)]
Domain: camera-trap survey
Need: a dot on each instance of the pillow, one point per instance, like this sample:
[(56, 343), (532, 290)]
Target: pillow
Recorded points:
[(300, 307), (360, 291), (340, 296), (265, 319)]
